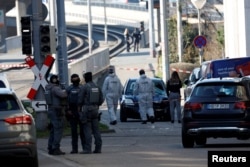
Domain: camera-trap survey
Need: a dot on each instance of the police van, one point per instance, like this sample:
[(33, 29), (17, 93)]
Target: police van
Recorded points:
[(231, 67)]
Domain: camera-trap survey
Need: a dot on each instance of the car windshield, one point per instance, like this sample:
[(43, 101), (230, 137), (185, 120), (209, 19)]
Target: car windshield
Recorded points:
[(220, 90), (159, 87), (7, 103), (2, 85)]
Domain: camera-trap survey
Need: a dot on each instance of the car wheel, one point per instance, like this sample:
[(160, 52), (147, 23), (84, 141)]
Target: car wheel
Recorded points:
[(166, 116), (123, 116), (201, 140), (32, 162), (187, 140)]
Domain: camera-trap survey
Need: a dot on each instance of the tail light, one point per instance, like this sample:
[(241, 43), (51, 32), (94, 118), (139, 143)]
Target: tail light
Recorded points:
[(240, 105), (192, 106), (25, 119)]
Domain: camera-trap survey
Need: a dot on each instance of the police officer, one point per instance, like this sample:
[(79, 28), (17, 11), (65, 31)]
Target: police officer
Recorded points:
[(56, 115), (144, 90), (90, 99), (137, 38), (72, 114), (112, 91)]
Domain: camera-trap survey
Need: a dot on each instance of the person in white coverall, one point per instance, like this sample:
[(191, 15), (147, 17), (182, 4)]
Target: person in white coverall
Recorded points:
[(112, 90), (144, 91)]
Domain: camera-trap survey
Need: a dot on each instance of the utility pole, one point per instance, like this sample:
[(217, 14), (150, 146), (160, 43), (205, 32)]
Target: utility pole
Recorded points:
[(179, 30), (105, 23), (151, 28), (89, 26), (62, 44), (37, 20), (164, 41)]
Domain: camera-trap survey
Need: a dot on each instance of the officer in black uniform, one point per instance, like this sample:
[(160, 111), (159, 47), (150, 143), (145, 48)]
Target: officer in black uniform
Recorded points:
[(72, 113), (90, 99), (55, 114)]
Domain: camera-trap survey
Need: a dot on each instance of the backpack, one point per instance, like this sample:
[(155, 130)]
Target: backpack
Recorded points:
[(73, 94), (94, 94)]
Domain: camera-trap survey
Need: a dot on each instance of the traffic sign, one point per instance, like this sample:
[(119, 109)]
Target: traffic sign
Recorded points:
[(39, 74), (200, 41), (39, 105)]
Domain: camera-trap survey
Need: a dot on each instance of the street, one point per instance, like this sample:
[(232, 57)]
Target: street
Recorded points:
[(131, 144)]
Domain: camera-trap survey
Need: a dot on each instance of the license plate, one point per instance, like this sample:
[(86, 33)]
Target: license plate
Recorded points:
[(218, 106)]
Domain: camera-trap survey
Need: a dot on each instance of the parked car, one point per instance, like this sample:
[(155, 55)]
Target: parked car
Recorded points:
[(193, 78), (4, 82), (129, 107), (17, 130), (217, 107)]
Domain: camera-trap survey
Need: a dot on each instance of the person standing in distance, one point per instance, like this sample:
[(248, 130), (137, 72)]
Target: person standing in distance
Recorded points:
[(112, 91), (90, 99), (144, 90), (55, 114), (72, 113), (174, 85), (127, 39), (137, 38)]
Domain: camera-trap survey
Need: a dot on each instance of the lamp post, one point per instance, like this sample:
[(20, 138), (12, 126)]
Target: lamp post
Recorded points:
[(199, 5)]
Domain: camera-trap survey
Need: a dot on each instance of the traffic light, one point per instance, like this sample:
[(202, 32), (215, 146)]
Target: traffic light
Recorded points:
[(26, 35), (142, 25), (47, 39)]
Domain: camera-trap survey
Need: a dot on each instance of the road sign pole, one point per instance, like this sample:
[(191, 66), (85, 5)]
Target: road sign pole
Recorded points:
[(199, 42), (37, 20)]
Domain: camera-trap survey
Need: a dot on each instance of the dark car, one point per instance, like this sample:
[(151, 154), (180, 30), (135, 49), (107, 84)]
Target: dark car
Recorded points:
[(129, 104), (193, 78), (17, 130), (217, 107)]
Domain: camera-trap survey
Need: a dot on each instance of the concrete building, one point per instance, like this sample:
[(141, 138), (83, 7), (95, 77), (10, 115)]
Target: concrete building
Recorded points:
[(237, 28)]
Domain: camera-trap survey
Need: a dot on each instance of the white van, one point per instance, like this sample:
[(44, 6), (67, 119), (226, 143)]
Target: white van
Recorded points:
[(4, 82)]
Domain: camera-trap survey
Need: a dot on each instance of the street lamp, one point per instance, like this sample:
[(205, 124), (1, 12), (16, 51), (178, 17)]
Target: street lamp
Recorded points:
[(199, 5)]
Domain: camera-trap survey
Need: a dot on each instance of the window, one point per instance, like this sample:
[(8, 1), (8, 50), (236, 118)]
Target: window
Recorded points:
[(2, 85), (8, 102)]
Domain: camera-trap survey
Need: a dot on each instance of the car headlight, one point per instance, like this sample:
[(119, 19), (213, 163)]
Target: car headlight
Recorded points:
[(128, 102)]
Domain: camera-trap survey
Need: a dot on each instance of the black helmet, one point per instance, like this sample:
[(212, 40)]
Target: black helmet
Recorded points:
[(74, 76), (75, 79), (88, 76), (53, 79)]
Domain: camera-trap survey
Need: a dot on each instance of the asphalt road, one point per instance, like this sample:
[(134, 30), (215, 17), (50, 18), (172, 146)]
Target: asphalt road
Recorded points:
[(131, 143)]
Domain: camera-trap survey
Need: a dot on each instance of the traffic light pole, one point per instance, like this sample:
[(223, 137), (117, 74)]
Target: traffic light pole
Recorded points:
[(62, 44), (37, 20)]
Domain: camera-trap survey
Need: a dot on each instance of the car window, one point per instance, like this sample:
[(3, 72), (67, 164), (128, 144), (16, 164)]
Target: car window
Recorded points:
[(130, 87), (220, 90), (2, 85), (8, 102), (158, 85)]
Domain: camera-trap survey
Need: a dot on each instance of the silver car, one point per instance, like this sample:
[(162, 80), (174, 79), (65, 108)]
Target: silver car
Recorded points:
[(17, 130)]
